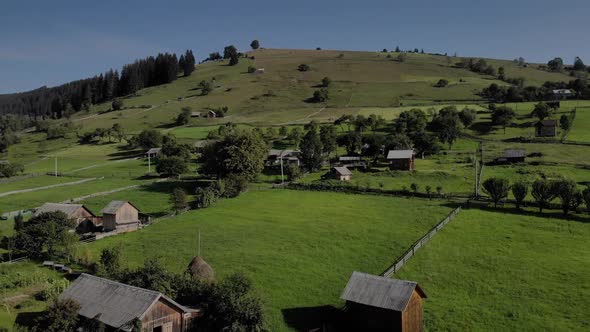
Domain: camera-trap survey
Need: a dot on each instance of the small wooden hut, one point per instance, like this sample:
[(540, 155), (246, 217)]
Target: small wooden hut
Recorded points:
[(546, 128), (402, 160), (118, 214), (376, 303)]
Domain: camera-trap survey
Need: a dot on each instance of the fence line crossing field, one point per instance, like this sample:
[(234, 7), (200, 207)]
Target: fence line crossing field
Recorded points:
[(298, 247), (505, 271)]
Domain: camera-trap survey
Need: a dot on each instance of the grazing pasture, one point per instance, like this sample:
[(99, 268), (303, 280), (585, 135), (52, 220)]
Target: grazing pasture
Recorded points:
[(505, 270), (299, 248)]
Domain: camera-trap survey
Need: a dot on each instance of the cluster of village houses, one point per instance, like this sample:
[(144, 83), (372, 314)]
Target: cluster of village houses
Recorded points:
[(116, 216)]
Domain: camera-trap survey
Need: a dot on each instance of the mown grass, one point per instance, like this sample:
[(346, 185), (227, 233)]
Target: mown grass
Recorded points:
[(505, 271), (299, 248), (581, 127)]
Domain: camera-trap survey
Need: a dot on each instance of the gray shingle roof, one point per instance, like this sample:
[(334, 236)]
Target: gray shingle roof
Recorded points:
[(400, 154), (349, 158), (113, 303), (380, 292), (68, 209), (342, 171), (514, 153), (154, 151), (114, 206)]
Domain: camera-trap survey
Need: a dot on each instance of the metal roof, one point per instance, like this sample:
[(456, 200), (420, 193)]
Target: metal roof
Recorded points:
[(114, 206), (153, 151), (562, 92), (514, 153), (349, 158), (282, 153), (68, 209), (400, 154), (342, 170), (113, 303), (380, 292)]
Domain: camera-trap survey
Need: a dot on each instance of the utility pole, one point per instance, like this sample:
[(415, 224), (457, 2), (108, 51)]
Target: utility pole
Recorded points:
[(282, 173), (199, 244)]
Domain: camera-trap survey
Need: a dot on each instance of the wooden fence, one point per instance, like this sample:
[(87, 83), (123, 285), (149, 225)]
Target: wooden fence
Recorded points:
[(401, 261)]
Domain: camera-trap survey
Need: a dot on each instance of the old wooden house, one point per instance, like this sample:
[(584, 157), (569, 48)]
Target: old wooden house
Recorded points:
[(546, 128), (287, 157), (512, 156), (351, 162), (341, 173), (376, 303), (85, 220), (118, 305), (119, 214), (402, 160)]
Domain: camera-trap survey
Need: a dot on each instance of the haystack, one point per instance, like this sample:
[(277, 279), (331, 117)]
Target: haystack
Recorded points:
[(198, 268)]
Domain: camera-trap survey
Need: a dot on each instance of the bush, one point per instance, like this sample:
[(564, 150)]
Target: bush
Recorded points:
[(52, 290), (234, 185), (171, 166), (326, 81), (184, 117), (117, 104), (320, 95), (9, 169), (303, 67), (293, 172), (441, 83), (402, 57), (251, 69)]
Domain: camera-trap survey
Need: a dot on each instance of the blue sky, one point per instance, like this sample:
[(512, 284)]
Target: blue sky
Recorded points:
[(52, 42)]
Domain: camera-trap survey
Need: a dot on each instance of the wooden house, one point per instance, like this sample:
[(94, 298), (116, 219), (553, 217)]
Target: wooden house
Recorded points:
[(195, 114), (119, 214), (402, 160), (512, 156), (85, 220), (562, 93), (341, 173), (288, 157), (153, 152), (351, 162), (118, 305), (546, 128), (376, 303)]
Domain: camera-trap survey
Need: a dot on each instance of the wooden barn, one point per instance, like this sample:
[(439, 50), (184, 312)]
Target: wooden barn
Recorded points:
[(546, 128), (117, 305), (288, 157), (85, 220), (119, 214), (341, 173), (351, 162), (512, 156), (402, 160), (383, 304)]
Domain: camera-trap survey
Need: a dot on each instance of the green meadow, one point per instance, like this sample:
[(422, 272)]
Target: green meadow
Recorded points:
[(506, 271), (299, 248)]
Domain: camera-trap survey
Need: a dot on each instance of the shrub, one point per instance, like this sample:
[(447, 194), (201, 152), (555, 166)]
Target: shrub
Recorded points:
[(117, 104), (234, 185), (320, 95), (52, 290), (293, 172), (251, 69), (326, 81), (303, 67), (441, 83)]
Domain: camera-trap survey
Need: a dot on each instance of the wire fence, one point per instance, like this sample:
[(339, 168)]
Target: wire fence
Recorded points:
[(405, 257)]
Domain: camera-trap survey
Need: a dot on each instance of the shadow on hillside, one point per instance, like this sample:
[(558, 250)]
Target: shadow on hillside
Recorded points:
[(310, 318), (124, 154), (509, 208), (167, 125), (482, 128)]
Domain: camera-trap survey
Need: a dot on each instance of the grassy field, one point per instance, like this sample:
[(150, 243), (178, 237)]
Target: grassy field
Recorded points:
[(581, 129), (502, 271), (298, 247)]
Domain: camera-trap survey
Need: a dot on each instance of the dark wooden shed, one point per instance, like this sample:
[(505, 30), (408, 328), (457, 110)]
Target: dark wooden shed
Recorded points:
[(117, 305), (376, 303), (546, 128), (119, 214), (402, 160)]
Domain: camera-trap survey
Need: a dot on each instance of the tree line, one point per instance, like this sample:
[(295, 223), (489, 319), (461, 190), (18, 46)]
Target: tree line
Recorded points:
[(66, 99)]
